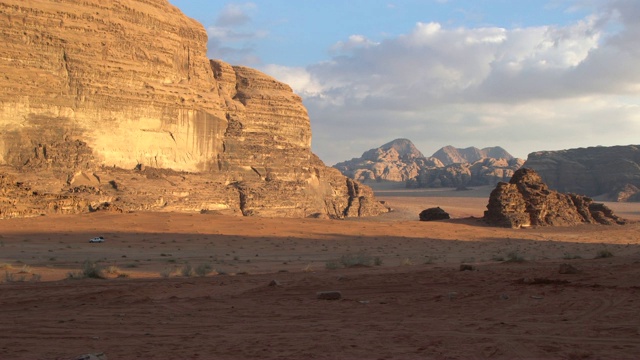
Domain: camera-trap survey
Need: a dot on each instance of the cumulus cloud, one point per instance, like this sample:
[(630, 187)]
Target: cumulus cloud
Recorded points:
[(301, 81), (354, 42), (235, 15), (526, 89), (232, 36)]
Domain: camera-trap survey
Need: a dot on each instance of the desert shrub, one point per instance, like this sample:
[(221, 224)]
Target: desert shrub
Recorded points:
[(92, 270), (406, 262), (604, 254), (25, 269), (307, 268), (332, 264), (204, 269), (112, 270), (11, 277), (377, 261), (167, 272), (514, 257), (359, 259), (187, 270), (428, 260)]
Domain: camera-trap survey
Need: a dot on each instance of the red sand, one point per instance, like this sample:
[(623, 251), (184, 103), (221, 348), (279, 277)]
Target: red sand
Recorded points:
[(416, 305)]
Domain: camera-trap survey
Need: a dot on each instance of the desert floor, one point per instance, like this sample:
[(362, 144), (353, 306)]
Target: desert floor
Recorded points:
[(411, 302)]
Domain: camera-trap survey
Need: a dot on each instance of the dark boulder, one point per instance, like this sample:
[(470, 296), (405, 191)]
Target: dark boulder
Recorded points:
[(433, 214)]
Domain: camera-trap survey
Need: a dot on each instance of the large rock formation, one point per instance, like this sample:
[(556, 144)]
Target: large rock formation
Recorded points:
[(91, 90), (612, 172), (527, 201), (399, 160), (450, 155), (487, 171)]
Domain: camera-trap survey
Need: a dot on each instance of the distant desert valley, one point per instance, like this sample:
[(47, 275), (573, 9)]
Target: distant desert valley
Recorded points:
[(157, 204)]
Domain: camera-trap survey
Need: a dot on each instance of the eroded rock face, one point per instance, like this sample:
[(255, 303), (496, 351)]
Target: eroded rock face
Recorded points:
[(527, 201), (129, 80), (487, 171), (612, 172), (91, 90), (451, 155), (398, 160)]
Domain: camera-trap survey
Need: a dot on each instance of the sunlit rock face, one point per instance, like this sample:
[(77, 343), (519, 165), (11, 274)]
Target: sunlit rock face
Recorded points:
[(612, 172), (400, 161), (527, 201), (116, 102)]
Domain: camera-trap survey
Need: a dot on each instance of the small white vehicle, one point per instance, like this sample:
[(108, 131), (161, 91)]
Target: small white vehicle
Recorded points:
[(98, 239)]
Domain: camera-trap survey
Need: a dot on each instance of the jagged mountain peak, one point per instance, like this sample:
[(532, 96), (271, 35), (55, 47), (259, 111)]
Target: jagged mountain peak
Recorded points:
[(400, 148), (452, 155)]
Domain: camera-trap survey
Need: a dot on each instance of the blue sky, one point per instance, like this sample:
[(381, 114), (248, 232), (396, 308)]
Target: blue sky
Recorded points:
[(526, 75)]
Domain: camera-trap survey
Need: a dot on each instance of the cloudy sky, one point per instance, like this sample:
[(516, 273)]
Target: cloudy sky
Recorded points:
[(526, 75)]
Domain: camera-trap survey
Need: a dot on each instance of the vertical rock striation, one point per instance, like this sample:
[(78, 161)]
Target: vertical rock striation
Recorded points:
[(91, 90)]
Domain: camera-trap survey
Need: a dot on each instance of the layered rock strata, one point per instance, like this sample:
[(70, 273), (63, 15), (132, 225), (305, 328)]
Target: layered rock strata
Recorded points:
[(527, 201), (611, 172), (114, 105)]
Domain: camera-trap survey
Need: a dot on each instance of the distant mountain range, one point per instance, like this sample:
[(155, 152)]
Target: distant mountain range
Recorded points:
[(610, 173), (400, 161), (451, 155)]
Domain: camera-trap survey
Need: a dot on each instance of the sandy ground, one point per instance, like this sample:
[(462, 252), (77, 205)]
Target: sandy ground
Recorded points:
[(412, 302)]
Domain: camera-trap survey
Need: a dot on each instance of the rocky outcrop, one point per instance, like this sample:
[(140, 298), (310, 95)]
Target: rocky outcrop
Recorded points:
[(610, 172), (527, 201), (487, 171), (401, 161), (450, 155), (398, 160), (92, 90), (434, 214)]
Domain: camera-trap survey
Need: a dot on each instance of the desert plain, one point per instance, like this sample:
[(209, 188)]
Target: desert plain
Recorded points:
[(404, 295)]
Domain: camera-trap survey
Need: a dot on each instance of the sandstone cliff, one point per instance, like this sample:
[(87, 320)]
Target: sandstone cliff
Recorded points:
[(610, 172), (527, 201), (91, 90)]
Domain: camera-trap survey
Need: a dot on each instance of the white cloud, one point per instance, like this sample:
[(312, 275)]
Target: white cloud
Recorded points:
[(354, 42), (301, 81), (232, 36), (235, 15), (525, 89)]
